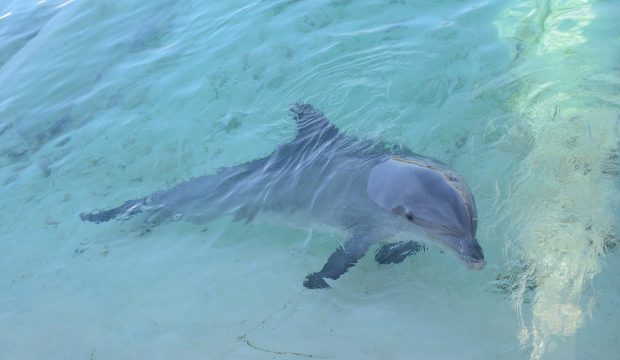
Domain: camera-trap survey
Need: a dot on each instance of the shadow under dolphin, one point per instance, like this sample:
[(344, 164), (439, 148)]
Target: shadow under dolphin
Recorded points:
[(371, 189)]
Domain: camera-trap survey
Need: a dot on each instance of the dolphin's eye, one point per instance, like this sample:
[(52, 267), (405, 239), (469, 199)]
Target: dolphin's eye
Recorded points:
[(401, 211)]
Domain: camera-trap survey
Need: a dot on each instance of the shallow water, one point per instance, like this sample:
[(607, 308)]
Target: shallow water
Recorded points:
[(103, 102)]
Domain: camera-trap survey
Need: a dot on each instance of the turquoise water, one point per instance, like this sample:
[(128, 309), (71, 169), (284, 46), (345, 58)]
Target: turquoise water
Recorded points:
[(101, 102)]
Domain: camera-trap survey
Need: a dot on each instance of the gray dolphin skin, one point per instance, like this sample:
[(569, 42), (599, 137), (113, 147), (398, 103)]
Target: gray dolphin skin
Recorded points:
[(370, 189)]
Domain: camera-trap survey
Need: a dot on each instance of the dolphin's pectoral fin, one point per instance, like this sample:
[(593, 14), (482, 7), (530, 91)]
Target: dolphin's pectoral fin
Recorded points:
[(339, 262), (128, 209), (395, 253), (315, 281)]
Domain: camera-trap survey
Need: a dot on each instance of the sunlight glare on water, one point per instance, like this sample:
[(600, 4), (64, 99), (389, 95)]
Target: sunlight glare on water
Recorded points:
[(574, 136), (101, 102)]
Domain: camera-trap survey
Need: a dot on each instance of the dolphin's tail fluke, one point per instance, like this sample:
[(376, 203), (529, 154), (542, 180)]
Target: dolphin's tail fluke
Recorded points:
[(127, 210)]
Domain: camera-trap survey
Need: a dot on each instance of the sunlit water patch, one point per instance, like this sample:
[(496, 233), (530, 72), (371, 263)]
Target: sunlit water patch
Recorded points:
[(568, 105), (101, 102)]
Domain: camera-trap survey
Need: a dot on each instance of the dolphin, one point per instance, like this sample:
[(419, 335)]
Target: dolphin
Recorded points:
[(372, 190)]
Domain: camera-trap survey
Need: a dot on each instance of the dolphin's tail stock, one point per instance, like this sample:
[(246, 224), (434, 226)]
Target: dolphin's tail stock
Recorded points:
[(125, 211)]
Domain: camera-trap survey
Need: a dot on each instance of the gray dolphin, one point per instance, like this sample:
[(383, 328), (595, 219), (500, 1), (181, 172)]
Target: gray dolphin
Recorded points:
[(370, 189)]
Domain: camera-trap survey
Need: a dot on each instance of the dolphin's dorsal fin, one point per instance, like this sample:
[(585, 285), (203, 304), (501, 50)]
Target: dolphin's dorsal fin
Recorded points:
[(312, 125)]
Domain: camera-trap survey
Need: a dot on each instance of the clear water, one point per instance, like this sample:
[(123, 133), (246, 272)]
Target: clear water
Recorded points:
[(101, 102)]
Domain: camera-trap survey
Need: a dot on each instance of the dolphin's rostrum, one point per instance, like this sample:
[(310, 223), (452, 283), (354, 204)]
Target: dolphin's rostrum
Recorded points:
[(370, 189)]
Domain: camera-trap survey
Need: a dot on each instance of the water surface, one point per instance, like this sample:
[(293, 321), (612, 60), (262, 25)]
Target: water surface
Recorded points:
[(101, 102)]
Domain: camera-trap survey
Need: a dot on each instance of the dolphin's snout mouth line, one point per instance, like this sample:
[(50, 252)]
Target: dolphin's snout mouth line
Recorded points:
[(475, 264)]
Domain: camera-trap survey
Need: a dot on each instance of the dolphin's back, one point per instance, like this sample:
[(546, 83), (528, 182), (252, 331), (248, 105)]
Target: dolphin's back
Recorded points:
[(306, 175)]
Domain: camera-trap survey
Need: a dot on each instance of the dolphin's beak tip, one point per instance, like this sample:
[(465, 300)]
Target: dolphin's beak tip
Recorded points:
[(477, 265)]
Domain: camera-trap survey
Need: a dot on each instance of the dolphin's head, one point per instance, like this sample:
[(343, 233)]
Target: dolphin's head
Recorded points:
[(431, 196)]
